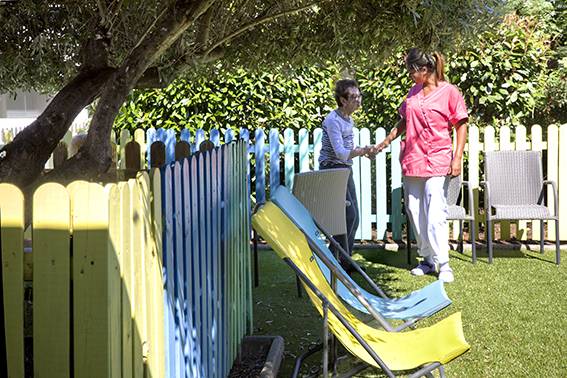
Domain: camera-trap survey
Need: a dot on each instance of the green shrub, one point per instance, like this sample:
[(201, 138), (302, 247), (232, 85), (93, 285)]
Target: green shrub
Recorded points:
[(504, 77)]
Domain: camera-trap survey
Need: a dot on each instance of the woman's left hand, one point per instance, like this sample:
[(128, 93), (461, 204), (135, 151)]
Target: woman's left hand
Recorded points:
[(455, 168)]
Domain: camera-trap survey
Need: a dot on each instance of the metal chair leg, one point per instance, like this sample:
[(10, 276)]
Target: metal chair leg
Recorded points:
[(299, 360), (541, 236), (461, 247), (489, 239), (472, 227), (557, 243), (325, 340)]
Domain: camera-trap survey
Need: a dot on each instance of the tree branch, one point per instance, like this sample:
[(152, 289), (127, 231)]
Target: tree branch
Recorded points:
[(27, 154), (257, 22), (204, 28), (95, 154), (103, 11)]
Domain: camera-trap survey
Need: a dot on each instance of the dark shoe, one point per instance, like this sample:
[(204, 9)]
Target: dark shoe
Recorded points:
[(422, 269)]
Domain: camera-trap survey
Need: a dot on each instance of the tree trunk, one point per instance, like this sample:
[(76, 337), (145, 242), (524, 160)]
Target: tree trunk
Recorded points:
[(94, 157), (22, 161)]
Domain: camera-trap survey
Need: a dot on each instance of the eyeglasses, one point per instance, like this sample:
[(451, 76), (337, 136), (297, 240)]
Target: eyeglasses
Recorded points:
[(352, 97)]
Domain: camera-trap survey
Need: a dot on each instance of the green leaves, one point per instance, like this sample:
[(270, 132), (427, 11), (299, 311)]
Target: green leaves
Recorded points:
[(503, 76)]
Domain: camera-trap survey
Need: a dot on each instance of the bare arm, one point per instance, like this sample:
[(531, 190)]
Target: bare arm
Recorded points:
[(461, 127), (398, 130), (359, 151)]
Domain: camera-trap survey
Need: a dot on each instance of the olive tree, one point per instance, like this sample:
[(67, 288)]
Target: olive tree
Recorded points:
[(96, 52)]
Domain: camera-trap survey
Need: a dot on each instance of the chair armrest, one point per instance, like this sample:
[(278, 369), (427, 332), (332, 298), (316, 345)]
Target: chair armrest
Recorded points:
[(487, 204), (471, 199), (555, 197)]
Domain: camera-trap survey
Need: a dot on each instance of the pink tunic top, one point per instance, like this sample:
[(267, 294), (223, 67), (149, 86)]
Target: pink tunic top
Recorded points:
[(427, 149)]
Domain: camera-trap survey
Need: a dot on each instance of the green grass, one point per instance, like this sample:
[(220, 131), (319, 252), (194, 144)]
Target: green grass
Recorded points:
[(514, 311)]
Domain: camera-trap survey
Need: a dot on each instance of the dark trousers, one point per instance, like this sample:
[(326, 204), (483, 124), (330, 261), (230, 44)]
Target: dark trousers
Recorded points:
[(352, 217)]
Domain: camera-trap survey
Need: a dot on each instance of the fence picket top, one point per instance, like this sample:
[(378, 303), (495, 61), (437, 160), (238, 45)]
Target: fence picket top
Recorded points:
[(214, 136), (11, 206), (12, 248), (185, 135), (199, 137), (489, 139), (132, 159), (182, 150), (229, 136), (161, 134)]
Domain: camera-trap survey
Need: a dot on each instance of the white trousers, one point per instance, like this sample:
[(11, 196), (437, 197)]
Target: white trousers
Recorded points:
[(426, 205)]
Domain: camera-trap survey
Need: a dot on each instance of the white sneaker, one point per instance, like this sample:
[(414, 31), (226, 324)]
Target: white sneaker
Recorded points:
[(446, 273), (422, 269)]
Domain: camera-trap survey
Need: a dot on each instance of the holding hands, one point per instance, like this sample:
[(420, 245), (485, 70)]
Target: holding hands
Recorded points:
[(373, 150)]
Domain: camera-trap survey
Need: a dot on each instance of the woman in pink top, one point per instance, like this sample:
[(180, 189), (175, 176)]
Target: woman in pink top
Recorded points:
[(433, 107)]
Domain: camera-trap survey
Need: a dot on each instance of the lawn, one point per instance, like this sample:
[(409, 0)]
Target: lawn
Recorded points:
[(514, 311)]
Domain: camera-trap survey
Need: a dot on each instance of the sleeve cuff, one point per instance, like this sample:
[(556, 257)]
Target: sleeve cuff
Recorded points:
[(458, 117)]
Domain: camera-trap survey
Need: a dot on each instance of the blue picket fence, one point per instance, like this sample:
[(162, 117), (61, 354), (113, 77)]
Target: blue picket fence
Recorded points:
[(207, 268), (270, 153)]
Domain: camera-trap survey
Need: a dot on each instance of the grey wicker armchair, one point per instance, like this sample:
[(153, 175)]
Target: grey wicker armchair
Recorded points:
[(514, 190), (323, 193), (458, 212)]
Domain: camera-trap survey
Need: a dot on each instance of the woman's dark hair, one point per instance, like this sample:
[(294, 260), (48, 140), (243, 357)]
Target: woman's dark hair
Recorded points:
[(434, 62), (341, 88)]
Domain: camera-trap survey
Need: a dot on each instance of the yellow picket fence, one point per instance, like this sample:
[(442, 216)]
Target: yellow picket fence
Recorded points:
[(98, 301)]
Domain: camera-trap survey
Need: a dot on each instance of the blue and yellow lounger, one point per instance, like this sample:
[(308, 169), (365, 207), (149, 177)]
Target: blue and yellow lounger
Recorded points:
[(418, 304), (391, 351)]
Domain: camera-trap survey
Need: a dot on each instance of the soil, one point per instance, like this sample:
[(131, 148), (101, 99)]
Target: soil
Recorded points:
[(250, 365)]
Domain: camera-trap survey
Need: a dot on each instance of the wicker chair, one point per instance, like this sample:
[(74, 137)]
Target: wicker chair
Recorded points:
[(323, 193), (514, 190), (458, 212)]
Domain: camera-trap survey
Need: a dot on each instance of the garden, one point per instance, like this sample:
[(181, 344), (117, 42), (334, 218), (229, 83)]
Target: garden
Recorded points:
[(139, 244)]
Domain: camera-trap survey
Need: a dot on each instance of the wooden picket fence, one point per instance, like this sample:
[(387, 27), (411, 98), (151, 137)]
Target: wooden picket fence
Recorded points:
[(143, 278), (207, 261), (276, 156)]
